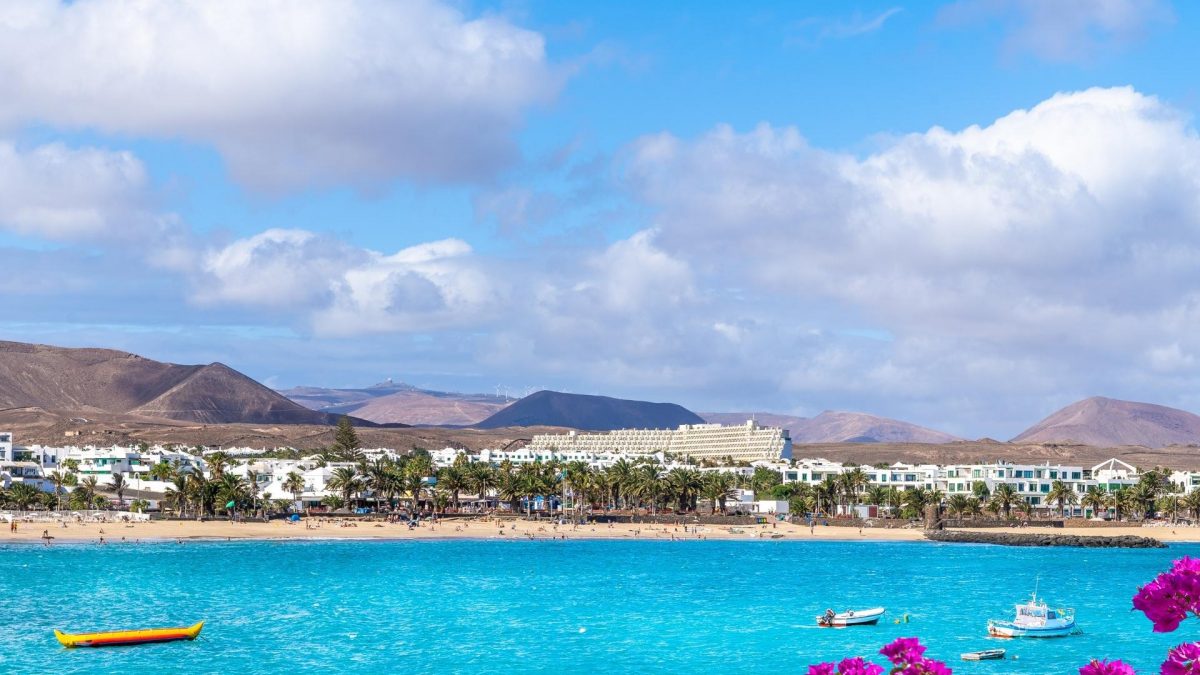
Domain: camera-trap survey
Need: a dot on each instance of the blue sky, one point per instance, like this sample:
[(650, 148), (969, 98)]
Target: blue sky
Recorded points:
[(962, 214)]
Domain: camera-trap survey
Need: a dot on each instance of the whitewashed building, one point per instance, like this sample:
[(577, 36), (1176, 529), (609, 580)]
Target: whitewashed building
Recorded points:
[(742, 442)]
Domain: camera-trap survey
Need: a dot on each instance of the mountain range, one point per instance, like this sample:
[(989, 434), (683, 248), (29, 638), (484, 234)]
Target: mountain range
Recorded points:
[(103, 382), (840, 427), (591, 413), (395, 402), (1109, 422), (85, 381)]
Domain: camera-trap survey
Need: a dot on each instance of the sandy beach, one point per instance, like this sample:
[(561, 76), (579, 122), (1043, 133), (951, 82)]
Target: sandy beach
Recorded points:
[(321, 528)]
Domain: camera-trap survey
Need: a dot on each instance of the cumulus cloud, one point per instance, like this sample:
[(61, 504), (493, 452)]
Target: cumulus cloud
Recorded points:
[(339, 289), (292, 94), (1051, 240), (1062, 31), (65, 194)]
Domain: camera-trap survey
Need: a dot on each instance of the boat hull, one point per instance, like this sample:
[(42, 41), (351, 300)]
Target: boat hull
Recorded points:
[(864, 617), (123, 638), (985, 655), (1007, 630)]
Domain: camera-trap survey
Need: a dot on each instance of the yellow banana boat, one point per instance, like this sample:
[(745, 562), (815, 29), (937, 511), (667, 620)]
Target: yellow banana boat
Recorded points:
[(117, 638)]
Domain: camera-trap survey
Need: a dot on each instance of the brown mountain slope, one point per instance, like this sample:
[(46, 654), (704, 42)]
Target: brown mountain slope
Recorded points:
[(395, 402), (840, 427), (105, 380), (765, 419), (1109, 422), (425, 408)]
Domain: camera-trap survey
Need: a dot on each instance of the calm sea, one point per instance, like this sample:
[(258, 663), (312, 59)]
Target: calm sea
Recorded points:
[(559, 607)]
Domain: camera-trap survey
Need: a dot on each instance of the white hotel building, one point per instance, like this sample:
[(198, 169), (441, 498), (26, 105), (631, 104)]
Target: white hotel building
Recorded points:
[(744, 442)]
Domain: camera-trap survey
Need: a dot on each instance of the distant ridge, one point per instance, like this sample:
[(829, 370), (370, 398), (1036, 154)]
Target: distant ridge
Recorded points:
[(840, 427), (395, 402), (1107, 422), (105, 380), (591, 413)]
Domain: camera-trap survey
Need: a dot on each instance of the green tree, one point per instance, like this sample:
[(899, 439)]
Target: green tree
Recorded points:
[(58, 479), (22, 495), (89, 485), (1004, 497), (294, 483), (454, 480), (118, 485), (345, 440), (345, 480), (717, 489), (1096, 500), (1061, 494)]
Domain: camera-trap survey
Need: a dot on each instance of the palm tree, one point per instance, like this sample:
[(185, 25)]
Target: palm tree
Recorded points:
[(1062, 495), (117, 484), (1191, 502), (1124, 501), (621, 478), (22, 495), (876, 495), (344, 480), (232, 489), (294, 483), (684, 485), (1004, 497), (176, 495), (482, 479), (216, 464), (915, 501), (1096, 500), (89, 485), (162, 471), (959, 504), (717, 487), (453, 480), (649, 485), (139, 506), (853, 482), (59, 479), (827, 492)]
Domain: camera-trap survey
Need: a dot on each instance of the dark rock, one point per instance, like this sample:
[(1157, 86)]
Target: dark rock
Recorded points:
[(1022, 539)]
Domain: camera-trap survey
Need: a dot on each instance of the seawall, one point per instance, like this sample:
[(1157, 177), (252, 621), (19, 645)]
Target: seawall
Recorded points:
[(1044, 539)]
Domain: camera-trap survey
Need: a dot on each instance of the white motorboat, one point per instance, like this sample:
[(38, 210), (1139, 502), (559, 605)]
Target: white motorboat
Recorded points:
[(983, 655), (853, 617), (1036, 620)]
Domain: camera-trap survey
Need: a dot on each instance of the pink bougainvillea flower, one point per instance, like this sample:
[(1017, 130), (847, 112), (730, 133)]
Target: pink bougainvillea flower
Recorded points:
[(1100, 667), (857, 666), (821, 669), (903, 650), (1183, 659), (1172, 595)]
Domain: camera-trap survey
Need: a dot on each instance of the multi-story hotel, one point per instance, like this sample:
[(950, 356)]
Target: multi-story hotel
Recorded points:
[(744, 442)]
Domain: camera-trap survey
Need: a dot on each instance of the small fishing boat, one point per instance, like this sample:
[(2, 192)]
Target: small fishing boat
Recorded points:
[(983, 655), (854, 617), (117, 638), (1035, 620)]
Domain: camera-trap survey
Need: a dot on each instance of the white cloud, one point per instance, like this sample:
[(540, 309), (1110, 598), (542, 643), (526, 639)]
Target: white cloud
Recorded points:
[(815, 30), (339, 289), (65, 194), (1052, 240), (1062, 31), (292, 93)]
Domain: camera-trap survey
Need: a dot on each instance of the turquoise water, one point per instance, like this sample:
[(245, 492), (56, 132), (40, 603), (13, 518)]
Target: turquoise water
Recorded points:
[(505, 607)]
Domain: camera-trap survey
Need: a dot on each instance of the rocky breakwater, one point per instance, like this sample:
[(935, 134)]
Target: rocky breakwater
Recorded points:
[(1042, 539)]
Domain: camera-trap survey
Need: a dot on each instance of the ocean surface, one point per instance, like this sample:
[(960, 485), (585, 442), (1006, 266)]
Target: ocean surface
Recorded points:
[(560, 607)]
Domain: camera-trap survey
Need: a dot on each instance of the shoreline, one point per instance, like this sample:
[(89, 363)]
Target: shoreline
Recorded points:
[(317, 529)]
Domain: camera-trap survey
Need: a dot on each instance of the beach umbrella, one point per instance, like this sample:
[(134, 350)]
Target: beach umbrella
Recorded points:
[(230, 504), (295, 518)]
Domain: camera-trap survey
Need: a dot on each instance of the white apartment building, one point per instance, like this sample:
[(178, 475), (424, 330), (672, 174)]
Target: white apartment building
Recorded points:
[(6, 446), (742, 442)]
